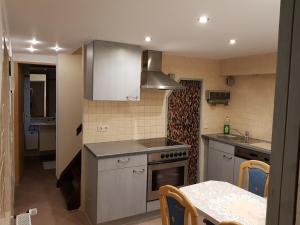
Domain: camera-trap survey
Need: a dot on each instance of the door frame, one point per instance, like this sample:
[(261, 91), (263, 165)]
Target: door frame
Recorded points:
[(18, 122), (282, 201)]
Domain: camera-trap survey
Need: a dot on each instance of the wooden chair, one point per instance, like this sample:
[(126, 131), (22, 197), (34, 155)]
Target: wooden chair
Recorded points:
[(258, 177), (175, 208)]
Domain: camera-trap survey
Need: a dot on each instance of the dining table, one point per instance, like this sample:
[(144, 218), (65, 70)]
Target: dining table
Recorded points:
[(219, 201)]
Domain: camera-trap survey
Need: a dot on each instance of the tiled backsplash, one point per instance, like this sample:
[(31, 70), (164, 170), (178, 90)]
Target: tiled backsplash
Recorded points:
[(125, 120), (251, 105)]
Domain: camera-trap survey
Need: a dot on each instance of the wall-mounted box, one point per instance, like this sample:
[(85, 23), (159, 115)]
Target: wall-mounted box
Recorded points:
[(112, 71), (217, 97)]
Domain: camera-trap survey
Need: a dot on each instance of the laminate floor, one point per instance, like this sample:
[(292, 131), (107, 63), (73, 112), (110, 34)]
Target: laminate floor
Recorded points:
[(38, 190)]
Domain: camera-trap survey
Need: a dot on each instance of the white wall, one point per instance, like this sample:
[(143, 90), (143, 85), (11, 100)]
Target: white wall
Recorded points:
[(35, 58), (251, 105), (6, 145), (69, 86)]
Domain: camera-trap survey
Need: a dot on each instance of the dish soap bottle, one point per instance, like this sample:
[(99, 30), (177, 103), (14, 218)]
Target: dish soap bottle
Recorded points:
[(227, 125)]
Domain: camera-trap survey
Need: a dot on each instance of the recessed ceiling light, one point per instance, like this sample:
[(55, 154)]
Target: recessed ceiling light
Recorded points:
[(34, 41), (148, 39), (56, 48), (31, 49), (203, 19), (232, 41)]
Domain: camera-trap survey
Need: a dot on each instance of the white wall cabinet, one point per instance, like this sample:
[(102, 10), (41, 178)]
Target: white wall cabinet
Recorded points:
[(112, 71), (220, 165), (115, 187)]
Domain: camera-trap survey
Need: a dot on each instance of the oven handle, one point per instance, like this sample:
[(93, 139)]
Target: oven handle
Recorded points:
[(168, 161)]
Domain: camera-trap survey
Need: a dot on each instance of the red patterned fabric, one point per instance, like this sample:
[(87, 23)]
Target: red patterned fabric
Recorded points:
[(184, 121)]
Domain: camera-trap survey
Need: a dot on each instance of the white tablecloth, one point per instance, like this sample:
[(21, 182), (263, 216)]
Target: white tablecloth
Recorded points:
[(221, 201)]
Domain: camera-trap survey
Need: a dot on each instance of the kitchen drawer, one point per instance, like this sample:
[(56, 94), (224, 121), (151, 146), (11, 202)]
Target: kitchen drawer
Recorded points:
[(222, 147), (122, 162)]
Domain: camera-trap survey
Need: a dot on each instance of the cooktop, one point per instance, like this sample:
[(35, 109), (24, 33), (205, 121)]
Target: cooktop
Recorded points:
[(158, 142)]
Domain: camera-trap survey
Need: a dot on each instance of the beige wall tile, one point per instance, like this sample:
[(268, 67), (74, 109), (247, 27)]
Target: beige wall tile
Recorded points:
[(125, 120), (252, 104)]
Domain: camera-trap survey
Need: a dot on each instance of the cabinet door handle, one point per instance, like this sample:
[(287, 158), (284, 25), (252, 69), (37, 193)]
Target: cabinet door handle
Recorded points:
[(138, 171), (132, 98), (227, 157), (123, 160)]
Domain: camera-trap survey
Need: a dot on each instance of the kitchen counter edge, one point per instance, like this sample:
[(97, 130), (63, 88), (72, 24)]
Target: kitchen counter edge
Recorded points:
[(235, 143), (103, 150)]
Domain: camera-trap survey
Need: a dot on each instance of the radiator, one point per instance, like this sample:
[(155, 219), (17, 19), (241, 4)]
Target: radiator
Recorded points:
[(23, 219)]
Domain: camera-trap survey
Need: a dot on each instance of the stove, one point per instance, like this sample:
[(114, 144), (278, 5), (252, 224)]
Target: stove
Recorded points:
[(167, 164), (158, 142)]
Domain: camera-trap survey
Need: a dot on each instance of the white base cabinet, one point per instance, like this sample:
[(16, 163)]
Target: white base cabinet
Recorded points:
[(237, 163), (121, 193), (121, 185), (220, 166)]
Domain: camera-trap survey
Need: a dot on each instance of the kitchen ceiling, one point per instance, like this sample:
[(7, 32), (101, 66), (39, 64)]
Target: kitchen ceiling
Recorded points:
[(172, 25)]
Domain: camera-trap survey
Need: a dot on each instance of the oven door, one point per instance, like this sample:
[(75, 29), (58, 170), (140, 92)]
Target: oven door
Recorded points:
[(166, 173)]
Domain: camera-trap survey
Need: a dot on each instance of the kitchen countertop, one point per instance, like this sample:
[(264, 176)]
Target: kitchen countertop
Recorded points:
[(50, 121), (125, 148), (254, 144)]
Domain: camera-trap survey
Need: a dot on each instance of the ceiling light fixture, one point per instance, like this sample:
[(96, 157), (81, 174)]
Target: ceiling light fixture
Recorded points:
[(34, 41), (232, 41), (203, 19), (31, 49), (56, 48), (148, 39)]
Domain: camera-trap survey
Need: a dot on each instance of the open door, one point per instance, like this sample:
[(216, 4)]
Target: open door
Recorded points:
[(282, 202)]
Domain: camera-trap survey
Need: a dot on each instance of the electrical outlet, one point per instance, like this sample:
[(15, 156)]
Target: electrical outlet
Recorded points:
[(102, 128), (105, 128), (99, 128)]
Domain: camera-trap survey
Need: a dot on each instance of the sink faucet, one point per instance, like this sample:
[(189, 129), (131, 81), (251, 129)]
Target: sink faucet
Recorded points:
[(245, 135)]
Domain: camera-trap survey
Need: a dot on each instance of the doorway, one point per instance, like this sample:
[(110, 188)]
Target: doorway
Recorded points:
[(35, 105), (184, 108)]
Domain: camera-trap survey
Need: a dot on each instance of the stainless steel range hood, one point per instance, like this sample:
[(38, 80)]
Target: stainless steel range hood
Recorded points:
[(152, 77)]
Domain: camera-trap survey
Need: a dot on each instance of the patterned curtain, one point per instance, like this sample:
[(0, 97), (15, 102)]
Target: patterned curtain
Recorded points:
[(184, 121)]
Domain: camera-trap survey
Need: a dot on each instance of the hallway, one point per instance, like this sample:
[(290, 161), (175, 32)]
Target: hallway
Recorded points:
[(38, 190)]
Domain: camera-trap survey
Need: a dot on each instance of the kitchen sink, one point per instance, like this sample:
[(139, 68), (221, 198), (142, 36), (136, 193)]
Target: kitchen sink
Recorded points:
[(230, 137), (236, 138)]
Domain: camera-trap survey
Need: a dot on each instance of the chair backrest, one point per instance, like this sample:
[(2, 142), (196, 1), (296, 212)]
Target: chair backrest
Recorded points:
[(175, 208), (258, 177)]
